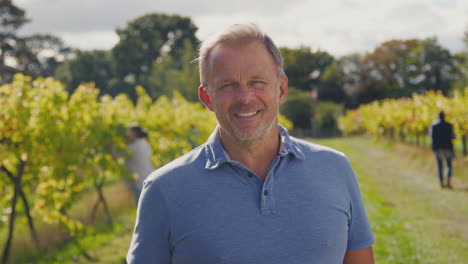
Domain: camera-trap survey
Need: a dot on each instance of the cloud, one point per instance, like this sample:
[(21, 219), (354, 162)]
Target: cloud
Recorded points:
[(337, 26), (84, 15), (89, 40), (447, 3)]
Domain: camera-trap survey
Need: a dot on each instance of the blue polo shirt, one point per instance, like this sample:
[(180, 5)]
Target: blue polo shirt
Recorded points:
[(205, 208)]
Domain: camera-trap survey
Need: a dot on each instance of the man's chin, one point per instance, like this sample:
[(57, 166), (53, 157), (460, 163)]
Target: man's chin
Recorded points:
[(249, 136)]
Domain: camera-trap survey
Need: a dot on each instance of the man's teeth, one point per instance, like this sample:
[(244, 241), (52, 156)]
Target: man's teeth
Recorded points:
[(246, 114)]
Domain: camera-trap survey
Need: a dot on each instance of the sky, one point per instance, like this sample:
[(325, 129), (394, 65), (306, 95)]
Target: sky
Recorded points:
[(339, 27)]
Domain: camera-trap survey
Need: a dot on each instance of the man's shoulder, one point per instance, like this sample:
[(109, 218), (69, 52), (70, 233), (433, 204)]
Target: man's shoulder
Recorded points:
[(439, 123), (181, 168), (330, 163), (314, 150)]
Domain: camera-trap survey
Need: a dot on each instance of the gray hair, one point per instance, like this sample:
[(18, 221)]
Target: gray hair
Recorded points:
[(238, 33)]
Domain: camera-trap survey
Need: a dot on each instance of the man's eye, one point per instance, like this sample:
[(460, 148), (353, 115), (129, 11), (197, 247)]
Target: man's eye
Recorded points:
[(258, 83)]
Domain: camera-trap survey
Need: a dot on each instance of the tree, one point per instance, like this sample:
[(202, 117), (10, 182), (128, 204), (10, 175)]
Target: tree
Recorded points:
[(351, 67), (167, 77), (398, 68), (147, 38), (11, 18), (386, 71), (42, 54), (53, 146), (298, 108), (331, 87), (35, 55), (304, 67), (461, 66), (437, 66), (88, 66)]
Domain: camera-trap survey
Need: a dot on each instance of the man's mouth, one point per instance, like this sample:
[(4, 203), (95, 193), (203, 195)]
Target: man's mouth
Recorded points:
[(247, 114)]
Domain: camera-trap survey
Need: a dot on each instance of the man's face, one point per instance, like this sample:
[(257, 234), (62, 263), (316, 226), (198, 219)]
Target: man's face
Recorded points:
[(244, 90)]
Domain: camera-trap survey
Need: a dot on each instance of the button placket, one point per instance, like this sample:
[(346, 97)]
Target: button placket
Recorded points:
[(244, 173), (267, 201), (267, 195)]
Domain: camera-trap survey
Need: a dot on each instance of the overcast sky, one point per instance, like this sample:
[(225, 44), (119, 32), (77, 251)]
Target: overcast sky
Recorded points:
[(337, 26)]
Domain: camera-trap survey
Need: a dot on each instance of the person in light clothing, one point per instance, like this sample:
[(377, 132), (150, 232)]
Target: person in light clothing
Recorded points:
[(139, 161)]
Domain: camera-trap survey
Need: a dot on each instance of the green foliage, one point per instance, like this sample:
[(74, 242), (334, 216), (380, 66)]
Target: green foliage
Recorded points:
[(170, 122), (407, 117), (64, 140), (168, 77), (147, 39), (332, 83), (461, 66), (298, 108), (412, 219), (398, 68), (38, 116), (88, 66), (304, 67), (327, 114), (154, 51), (284, 121)]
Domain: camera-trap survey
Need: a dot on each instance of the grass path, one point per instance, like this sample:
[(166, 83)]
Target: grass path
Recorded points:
[(413, 219)]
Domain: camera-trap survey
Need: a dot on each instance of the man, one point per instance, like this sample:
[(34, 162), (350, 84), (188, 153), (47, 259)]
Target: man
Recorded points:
[(441, 133), (251, 193)]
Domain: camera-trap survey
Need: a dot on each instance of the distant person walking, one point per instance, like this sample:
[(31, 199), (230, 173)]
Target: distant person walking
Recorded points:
[(441, 133), (139, 161)]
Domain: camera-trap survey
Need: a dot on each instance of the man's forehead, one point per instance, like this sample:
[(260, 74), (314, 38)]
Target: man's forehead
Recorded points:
[(227, 54), (225, 49)]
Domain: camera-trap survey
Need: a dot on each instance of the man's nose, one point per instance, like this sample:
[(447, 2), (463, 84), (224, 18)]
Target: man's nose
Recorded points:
[(245, 93)]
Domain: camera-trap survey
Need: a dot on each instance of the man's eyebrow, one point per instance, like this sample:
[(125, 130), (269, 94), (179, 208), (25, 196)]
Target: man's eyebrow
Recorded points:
[(222, 81), (258, 76)]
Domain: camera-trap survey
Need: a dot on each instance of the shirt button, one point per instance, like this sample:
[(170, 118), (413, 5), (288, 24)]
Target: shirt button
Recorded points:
[(265, 192)]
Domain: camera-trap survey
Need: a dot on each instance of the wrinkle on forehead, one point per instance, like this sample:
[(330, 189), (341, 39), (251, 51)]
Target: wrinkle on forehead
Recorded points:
[(222, 55)]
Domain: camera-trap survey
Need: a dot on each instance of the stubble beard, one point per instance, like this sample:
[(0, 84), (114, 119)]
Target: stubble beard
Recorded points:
[(261, 131)]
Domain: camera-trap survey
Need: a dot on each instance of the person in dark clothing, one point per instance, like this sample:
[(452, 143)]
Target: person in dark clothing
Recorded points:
[(441, 133)]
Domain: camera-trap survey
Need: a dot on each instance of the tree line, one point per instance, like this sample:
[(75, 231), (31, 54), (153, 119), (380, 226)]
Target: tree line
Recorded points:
[(157, 51)]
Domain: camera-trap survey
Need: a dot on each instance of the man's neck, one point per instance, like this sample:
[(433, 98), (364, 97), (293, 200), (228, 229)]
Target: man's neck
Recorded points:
[(256, 155)]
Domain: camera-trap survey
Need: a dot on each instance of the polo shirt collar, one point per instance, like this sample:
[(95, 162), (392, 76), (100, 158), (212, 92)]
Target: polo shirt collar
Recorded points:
[(288, 146), (215, 154)]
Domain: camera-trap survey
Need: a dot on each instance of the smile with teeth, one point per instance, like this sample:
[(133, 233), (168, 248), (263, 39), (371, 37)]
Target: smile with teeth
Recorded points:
[(246, 114)]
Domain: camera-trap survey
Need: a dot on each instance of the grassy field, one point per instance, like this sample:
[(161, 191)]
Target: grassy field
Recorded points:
[(413, 219)]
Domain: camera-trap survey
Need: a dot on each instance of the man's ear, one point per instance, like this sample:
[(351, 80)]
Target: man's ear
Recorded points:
[(283, 89), (205, 97)]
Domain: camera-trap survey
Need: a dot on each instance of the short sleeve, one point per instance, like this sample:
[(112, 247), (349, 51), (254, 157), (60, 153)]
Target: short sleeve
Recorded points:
[(360, 234), (151, 237)]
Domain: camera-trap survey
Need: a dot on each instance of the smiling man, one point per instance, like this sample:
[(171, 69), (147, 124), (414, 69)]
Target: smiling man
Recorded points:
[(251, 193)]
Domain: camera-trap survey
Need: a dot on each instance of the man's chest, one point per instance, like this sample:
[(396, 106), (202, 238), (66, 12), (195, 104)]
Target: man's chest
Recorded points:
[(303, 226)]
